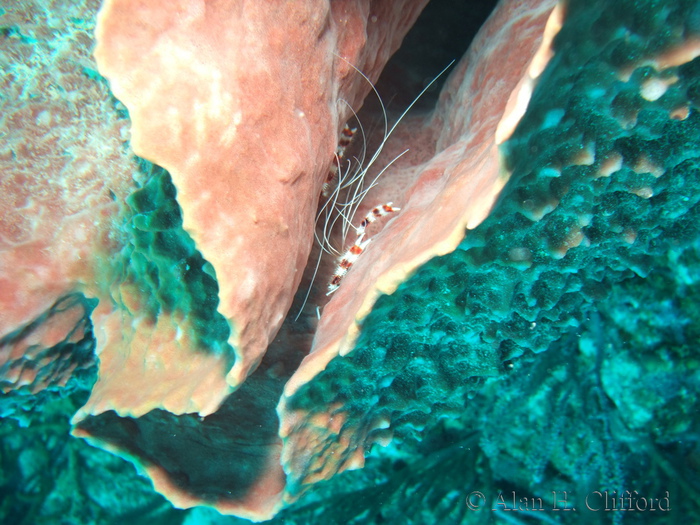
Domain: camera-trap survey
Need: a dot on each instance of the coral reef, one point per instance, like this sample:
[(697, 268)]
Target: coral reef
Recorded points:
[(548, 352), (63, 164), (216, 96), (568, 228)]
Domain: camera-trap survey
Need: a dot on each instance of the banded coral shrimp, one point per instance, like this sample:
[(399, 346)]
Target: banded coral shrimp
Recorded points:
[(346, 189)]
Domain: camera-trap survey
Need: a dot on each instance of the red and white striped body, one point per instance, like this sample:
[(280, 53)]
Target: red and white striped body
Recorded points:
[(351, 255), (345, 140), (346, 262), (374, 214)]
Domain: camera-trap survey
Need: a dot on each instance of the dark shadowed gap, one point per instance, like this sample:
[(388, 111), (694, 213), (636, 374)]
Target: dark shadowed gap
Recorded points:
[(442, 33)]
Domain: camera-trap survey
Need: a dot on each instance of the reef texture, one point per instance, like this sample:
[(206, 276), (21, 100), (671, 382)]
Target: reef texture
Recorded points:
[(468, 162), (598, 164), (449, 183), (63, 169), (240, 102), (573, 211)]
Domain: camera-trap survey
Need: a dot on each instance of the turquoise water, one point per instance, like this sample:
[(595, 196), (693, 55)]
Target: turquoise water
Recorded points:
[(545, 371)]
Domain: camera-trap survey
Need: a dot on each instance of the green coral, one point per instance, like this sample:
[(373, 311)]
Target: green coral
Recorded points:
[(162, 259), (562, 246)]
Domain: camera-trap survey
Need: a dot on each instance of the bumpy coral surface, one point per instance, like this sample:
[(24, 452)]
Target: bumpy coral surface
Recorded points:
[(62, 171), (581, 215), (551, 347)]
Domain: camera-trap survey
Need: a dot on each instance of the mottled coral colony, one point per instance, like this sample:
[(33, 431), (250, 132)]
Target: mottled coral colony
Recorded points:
[(524, 320)]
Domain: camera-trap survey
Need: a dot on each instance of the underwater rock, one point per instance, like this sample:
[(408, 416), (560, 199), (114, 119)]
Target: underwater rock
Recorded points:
[(569, 207)]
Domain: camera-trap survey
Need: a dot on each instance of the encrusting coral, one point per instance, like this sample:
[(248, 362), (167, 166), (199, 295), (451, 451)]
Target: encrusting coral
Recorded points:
[(564, 144), (567, 230), (63, 169)]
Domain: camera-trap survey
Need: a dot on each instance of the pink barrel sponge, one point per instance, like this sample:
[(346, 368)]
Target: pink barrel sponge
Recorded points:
[(239, 102)]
